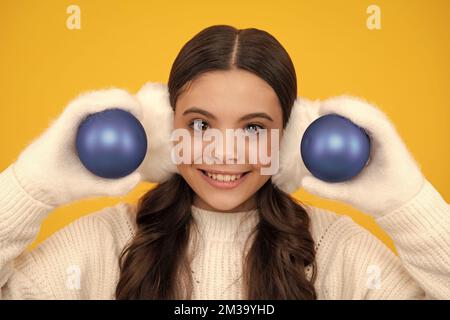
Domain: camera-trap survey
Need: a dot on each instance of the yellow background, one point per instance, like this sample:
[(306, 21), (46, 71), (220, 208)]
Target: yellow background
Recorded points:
[(404, 67)]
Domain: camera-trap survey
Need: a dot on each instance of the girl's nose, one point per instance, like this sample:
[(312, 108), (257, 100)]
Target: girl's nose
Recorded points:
[(227, 151)]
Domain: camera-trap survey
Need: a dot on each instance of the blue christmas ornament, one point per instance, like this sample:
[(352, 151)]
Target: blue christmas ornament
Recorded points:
[(111, 143), (334, 149)]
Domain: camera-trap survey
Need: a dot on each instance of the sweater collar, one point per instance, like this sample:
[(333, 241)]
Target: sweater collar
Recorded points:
[(224, 225)]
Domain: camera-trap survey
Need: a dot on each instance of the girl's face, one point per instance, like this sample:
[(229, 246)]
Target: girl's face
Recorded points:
[(231, 99)]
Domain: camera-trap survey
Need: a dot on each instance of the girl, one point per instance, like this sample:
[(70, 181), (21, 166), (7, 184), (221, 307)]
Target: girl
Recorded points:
[(210, 231)]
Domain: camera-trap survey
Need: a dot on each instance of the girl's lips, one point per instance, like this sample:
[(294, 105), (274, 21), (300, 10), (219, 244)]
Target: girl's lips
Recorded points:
[(223, 184)]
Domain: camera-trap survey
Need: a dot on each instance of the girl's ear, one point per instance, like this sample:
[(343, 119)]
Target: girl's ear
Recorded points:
[(292, 169), (158, 117)]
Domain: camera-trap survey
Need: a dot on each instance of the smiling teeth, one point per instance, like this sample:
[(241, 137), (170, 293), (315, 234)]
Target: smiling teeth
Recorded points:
[(224, 177)]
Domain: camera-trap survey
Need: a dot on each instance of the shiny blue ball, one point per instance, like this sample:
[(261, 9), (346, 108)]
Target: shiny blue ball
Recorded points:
[(334, 149), (111, 143)]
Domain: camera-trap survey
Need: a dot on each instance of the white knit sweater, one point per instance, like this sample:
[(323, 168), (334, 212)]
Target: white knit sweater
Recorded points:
[(81, 260)]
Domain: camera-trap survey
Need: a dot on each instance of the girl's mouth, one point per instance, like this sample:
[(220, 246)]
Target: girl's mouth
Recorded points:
[(223, 181)]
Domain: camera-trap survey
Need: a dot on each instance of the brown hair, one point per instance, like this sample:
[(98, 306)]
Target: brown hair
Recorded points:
[(154, 263)]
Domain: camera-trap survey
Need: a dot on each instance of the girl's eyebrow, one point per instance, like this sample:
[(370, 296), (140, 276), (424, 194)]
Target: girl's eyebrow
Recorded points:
[(210, 115)]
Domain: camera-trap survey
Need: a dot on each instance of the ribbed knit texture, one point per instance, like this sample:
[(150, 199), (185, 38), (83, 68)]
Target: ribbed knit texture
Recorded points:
[(80, 261), (218, 255)]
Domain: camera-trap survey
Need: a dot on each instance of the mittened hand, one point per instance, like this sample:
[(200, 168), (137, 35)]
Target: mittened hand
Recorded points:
[(50, 170), (292, 169), (158, 123), (391, 177)]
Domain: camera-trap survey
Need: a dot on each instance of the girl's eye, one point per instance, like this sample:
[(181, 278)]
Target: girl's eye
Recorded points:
[(253, 128), (198, 124)]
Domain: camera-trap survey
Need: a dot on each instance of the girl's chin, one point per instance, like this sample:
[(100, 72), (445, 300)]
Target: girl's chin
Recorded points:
[(223, 205)]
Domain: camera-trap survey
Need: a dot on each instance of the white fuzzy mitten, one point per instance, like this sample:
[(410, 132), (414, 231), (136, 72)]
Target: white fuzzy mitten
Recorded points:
[(158, 122), (390, 179), (49, 168), (292, 169)]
